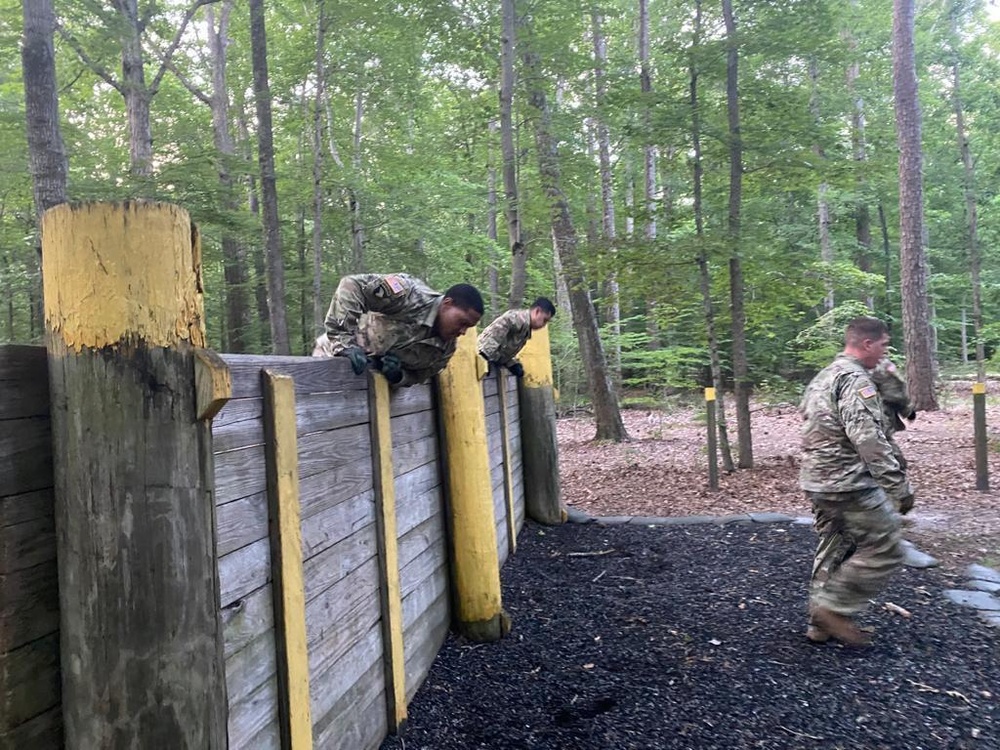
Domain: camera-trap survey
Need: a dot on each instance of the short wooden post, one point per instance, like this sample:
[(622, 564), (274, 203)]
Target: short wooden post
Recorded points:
[(388, 552), (713, 454), (539, 448), (474, 559), (282, 457), (508, 474), (982, 442), (142, 651)]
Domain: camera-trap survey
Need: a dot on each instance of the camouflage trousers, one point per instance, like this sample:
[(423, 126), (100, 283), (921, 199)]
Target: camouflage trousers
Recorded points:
[(859, 548)]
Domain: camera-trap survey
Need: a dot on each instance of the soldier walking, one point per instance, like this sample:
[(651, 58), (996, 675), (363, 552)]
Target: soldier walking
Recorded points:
[(398, 325), (855, 483)]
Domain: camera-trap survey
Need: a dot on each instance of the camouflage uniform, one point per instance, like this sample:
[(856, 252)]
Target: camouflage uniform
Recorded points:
[(505, 337), (895, 403), (854, 481), (382, 313)]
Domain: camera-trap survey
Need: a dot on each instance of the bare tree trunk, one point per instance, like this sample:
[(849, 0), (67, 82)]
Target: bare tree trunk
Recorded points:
[(491, 224), (920, 365), (971, 208), (606, 412), (607, 184), (736, 291), (649, 150), (137, 96), (319, 309), (822, 202), (357, 225), (269, 192), (862, 215), (518, 252), (704, 275), (887, 263)]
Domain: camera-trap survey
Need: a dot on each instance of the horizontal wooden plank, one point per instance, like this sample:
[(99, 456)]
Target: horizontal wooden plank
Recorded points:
[(27, 544), (425, 539), (246, 619), (489, 386), (249, 716), (268, 738), (422, 498), (325, 528), (311, 374), (409, 456), (29, 681), (491, 405), (321, 451), (358, 720), (422, 595), (340, 637), (331, 565), (27, 507), (327, 689), (425, 637), (240, 523), (239, 473), (25, 455), (410, 427), (25, 397), (251, 667), (43, 732), (325, 611), (29, 608), (244, 571), (412, 399)]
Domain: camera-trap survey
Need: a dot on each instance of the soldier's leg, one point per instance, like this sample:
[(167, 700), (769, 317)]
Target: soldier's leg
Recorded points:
[(869, 520)]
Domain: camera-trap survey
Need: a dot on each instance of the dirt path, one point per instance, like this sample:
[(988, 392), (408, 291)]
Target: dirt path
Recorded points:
[(662, 471)]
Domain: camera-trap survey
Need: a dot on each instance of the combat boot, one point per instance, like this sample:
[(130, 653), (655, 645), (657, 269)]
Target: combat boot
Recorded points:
[(837, 626)]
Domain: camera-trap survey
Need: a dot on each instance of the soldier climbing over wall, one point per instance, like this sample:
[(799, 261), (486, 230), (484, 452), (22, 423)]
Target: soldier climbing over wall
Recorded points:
[(398, 325), (502, 339)]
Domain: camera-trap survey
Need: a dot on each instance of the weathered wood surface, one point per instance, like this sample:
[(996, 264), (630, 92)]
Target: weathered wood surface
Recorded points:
[(424, 640), (30, 690), (311, 374), (357, 721)]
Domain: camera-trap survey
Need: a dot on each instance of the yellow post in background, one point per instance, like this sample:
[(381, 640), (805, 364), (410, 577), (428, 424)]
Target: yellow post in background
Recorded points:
[(474, 558), (982, 447), (713, 457), (539, 449)]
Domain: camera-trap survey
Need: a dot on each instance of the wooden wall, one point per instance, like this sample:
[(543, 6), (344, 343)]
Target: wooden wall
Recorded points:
[(343, 612), (30, 708)]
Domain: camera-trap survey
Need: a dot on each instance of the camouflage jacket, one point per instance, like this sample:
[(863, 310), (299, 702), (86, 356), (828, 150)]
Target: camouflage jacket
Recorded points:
[(505, 337), (382, 313), (895, 400), (844, 446)]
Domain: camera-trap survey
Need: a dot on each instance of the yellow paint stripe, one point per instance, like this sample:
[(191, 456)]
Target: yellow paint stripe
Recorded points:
[(710, 394), (978, 389), (281, 449), (536, 360), (508, 479), (385, 521)]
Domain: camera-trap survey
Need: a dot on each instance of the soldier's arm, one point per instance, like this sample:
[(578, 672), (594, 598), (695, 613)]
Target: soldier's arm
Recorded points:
[(492, 337), (892, 387), (860, 414), (356, 295)]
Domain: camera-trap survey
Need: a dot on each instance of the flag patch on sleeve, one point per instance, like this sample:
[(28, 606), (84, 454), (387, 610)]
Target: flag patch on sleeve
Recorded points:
[(395, 284), (867, 391)]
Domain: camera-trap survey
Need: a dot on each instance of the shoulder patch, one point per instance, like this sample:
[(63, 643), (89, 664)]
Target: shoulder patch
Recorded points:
[(867, 391), (390, 286)]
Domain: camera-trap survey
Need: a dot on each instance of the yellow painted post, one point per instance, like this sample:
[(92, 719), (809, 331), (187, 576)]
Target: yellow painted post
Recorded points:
[(388, 552), (539, 449), (288, 588), (508, 474), (475, 562), (982, 447), (142, 648), (713, 458)]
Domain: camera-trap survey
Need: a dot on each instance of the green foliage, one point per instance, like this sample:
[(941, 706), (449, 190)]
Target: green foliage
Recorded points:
[(816, 345)]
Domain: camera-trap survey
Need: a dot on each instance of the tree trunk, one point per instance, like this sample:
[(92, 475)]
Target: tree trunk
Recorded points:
[(357, 226), (491, 224), (704, 276), (920, 365), (862, 215), (269, 192), (649, 150), (822, 202), (518, 271), (319, 308), (736, 291), (606, 412)]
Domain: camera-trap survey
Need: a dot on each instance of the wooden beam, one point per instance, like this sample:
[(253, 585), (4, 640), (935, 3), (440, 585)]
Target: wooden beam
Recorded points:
[(288, 589), (539, 447), (213, 385), (508, 476), (388, 552)]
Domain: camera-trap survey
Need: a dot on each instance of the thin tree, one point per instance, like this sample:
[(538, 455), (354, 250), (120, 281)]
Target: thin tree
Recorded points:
[(859, 147), (918, 341), (518, 272), (606, 412), (268, 187), (704, 275), (822, 199), (736, 291), (319, 106)]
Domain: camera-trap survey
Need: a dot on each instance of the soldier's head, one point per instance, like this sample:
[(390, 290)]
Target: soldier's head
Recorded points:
[(866, 339), (541, 311), (461, 309)]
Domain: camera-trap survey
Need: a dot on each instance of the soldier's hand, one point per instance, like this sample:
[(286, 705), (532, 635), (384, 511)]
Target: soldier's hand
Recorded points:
[(390, 366), (516, 369), (358, 358), (906, 504)]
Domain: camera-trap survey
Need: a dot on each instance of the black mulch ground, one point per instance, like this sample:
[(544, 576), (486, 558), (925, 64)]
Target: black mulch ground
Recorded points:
[(692, 637)]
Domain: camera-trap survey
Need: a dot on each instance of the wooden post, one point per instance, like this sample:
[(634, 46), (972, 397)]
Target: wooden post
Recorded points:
[(288, 590), (539, 449), (388, 552), (141, 641), (508, 475), (474, 558), (713, 458), (982, 445)]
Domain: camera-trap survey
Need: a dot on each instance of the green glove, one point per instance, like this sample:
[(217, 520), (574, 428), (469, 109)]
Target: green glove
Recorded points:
[(516, 369), (906, 504), (390, 366), (358, 358)]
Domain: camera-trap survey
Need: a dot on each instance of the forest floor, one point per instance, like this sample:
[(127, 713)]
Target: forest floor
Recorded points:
[(663, 471)]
